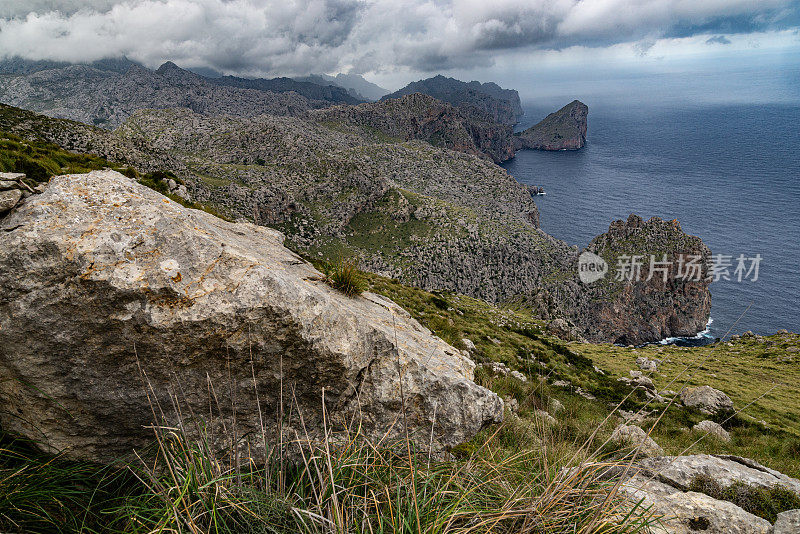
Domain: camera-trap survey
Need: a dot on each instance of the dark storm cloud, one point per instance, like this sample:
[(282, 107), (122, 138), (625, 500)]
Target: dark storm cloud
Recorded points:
[(718, 39), (285, 37)]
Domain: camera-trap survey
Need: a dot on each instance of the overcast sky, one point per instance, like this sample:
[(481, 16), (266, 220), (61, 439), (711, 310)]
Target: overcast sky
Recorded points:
[(395, 41)]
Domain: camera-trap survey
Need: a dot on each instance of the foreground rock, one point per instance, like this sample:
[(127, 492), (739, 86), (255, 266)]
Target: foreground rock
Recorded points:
[(100, 276), (664, 484), (563, 130)]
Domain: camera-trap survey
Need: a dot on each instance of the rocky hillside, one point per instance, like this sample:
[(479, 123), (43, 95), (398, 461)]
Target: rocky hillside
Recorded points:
[(313, 91), (563, 130), (429, 216), (502, 105), (105, 98), (419, 116), (355, 84)]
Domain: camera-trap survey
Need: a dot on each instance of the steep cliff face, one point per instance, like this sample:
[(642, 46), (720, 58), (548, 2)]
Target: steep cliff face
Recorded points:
[(563, 130), (502, 105), (657, 285), (419, 116)]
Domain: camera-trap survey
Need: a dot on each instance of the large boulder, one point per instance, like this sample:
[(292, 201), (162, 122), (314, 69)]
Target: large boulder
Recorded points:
[(115, 300), (706, 399)]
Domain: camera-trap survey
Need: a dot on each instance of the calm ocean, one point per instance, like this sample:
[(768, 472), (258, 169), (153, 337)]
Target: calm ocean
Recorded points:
[(729, 173)]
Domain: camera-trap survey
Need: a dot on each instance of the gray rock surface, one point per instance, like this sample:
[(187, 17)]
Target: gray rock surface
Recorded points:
[(635, 438), (706, 399), (787, 523), (8, 199), (680, 471), (101, 277), (690, 512), (713, 430)]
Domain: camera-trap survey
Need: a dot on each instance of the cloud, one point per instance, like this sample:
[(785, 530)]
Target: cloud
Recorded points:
[(271, 37), (718, 39)]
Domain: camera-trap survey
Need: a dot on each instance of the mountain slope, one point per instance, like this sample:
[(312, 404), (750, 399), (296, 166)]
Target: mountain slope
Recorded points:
[(106, 98), (418, 116), (502, 105), (355, 84), (429, 216)]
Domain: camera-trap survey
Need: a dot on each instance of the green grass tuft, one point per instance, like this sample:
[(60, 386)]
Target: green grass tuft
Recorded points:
[(345, 276)]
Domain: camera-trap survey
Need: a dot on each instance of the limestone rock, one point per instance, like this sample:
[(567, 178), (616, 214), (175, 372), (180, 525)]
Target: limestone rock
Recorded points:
[(647, 365), (681, 512), (713, 430), (101, 276), (788, 522), (706, 399), (680, 471), (633, 437), (8, 199)]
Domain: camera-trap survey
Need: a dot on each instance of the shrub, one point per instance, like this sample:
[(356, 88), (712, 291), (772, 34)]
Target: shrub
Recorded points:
[(766, 503), (345, 276)]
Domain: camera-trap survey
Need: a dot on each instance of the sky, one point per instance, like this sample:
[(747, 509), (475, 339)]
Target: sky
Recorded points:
[(530, 45)]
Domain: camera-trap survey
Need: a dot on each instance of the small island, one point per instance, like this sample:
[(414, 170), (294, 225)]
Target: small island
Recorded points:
[(563, 130)]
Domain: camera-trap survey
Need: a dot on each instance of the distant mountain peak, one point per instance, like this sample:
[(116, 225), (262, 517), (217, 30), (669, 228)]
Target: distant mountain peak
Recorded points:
[(503, 105), (168, 66)]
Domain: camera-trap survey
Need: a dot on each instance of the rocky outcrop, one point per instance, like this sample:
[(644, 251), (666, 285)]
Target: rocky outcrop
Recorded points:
[(563, 130), (418, 116), (501, 105), (429, 216), (657, 285), (106, 98), (665, 484), (111, 291)]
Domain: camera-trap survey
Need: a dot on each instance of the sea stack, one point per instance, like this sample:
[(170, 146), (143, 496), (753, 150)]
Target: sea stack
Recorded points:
[(563, 130)]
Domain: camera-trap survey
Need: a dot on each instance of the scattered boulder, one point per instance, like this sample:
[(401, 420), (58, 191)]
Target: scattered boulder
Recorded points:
[(680, 471), (638, 380), (647, 365), (468, 344), (12, 190), (555, 406), (8, 199), (104, 279), (634, 437), (512, 404), (519, 376), (706, 399), (712, 429), (546, 417)]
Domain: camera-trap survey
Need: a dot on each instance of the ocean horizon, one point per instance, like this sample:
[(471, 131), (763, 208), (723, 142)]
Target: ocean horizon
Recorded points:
[(727, 172)]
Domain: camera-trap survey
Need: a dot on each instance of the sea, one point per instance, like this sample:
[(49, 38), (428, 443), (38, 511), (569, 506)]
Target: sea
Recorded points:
[(728, 172)]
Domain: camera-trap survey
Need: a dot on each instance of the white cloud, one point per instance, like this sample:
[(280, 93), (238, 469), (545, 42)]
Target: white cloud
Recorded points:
[(270, 37)]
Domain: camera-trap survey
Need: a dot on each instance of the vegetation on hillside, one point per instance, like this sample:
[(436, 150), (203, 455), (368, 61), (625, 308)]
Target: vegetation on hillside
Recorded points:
[(40, 160)]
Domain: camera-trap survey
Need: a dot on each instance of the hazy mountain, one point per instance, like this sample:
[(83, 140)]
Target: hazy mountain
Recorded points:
[(100, 94), (355, 84), (503, 105)]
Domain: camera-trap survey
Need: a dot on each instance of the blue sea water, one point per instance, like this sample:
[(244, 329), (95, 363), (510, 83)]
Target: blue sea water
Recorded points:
[(729, 173)]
